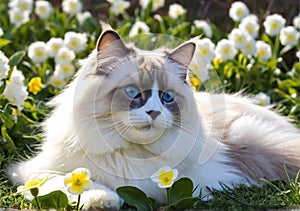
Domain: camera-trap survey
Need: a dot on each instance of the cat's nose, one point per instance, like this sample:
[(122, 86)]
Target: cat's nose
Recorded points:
[(153, 114)]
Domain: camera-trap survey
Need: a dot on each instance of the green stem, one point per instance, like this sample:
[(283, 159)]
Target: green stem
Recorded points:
[(168, 196), (37, 203), (78, 203)]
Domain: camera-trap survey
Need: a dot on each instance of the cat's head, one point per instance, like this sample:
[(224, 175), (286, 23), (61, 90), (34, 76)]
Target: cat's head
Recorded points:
[(140, 95)]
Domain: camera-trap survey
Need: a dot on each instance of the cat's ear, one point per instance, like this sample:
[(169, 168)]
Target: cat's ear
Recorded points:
[(183, 55), (111, 44)]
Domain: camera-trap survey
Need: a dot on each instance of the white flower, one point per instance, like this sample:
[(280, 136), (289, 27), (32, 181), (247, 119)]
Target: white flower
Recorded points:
[(250, 26), (204, 26), (206, 49), (81, 17), (238, 11), (296, 21), (37, 52), (298, 54), (200, 67), (225, 50), (262, 99), (15, 91), (43, 9), (21, 5), (263, 50), (75, 41), (250, 48), (273, 24), (53, 45), (238, 38), (4, 67), (18, 17), (251, 17), (165, 176), (57, 81), (137, 27), (72, 7), (119, 6), (155, 4), (289, 36), (176, 10), (64, 54), (66, 70), (1, 32)]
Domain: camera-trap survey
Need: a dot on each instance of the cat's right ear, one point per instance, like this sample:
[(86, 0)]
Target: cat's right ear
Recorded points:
[(111, 44)]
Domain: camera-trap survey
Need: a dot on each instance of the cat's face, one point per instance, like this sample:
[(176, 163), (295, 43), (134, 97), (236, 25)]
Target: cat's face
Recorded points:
[(142, 94)]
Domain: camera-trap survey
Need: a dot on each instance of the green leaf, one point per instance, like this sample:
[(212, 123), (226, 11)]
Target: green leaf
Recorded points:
[(4, 42), (7, 140), (6, 119), (182, 188), (16, 58), (185, 203), (135, 197), (54, 200)]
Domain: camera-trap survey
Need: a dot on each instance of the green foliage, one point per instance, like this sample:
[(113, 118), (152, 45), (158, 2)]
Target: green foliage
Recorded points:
[(54, 200)]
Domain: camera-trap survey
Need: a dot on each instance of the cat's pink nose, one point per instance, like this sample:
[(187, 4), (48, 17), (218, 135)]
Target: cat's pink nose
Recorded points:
[(153, 114)]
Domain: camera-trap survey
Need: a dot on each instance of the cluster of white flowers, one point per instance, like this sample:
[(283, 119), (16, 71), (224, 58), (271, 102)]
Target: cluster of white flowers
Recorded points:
[(202, 58), (15, 91)]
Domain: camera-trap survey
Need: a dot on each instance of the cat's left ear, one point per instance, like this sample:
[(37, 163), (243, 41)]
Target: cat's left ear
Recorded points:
[(183, 55)]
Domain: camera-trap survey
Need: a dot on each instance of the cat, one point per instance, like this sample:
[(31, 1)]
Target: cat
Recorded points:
[(129, 112)]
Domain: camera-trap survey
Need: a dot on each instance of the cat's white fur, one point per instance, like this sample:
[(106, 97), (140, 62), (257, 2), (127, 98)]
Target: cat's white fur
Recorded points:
[(217, 130)]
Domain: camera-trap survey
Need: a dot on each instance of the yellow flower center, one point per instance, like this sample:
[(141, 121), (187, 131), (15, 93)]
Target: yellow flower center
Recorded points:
[(289, 37), (18, 17), (72, 5), (240, 12), (250, 29), (261, 52), (226, 51), (42, 10), (66, 69), (274, 25), (23, 6), (204, 51), (39, 52), (166, 178), (74, 43)]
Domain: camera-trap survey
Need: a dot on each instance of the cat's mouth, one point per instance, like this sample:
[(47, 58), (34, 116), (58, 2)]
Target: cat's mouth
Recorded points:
[(143, 128)]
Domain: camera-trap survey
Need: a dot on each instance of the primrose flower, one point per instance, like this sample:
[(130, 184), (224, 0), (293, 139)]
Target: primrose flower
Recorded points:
[(78, 181), (37, 52), (156, 4), (33, 184), (64, 54), (262, 99), (238, 38), (53, 45), (15, 91), (75, 41), (21, 5), (57, 81), (250, 26), (273, 24), (204, 26), (118, 7), (4, 67), (35, 85), (296, 21), (65, 69), (238, 11), (263, 50), (72, 7), (176, 10), (18, 17), (138, 27), (206, 49), (250, 48), (81, 17), (165, 176), (289, 36), (43, 9), (225, 50)]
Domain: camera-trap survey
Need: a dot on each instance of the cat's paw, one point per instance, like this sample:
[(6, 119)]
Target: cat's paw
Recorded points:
[(99, 199)]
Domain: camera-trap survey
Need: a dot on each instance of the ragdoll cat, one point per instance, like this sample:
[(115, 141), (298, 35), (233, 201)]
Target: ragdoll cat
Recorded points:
[(129, 112)]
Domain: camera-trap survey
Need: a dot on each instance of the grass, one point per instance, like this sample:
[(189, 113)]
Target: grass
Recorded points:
[(273, 195)]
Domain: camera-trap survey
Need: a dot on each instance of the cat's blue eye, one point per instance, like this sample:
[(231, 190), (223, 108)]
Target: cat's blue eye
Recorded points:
[(168, 96), (132, 91)]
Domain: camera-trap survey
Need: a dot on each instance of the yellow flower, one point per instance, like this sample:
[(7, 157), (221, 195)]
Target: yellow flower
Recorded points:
[(78, 181), (35, 85), (195, 81), (32, 184), (165, 176)]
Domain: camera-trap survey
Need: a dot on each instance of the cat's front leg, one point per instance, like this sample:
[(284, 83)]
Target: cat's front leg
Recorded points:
[(99, 196)]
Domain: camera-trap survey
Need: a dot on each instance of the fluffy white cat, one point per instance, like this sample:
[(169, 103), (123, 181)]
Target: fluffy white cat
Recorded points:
[(129, 112)]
